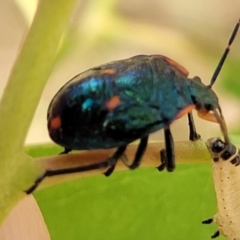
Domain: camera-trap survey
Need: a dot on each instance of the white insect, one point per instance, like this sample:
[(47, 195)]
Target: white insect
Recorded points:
[(226, 177)]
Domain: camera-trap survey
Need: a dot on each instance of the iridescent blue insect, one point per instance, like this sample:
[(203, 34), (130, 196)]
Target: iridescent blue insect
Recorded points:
[(114, 104)]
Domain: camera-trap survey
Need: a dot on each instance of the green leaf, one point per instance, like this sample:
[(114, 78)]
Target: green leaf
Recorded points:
[(139, 204)]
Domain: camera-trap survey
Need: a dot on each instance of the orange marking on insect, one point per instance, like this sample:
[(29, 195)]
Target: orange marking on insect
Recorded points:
[(185, 110), (208, 116), (113, 102), (109, 71), (178, 66), (56, 122)]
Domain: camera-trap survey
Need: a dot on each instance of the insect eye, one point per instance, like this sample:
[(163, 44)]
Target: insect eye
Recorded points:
[(218, 146), (194, 99), (208, 107)]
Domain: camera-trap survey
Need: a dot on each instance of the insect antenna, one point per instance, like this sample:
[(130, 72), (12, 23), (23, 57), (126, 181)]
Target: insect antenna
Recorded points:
[(227, 49)]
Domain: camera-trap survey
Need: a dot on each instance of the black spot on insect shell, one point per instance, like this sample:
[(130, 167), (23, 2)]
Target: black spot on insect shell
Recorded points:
[(235, 160), (238, 161), (230, 151), (226, 155)]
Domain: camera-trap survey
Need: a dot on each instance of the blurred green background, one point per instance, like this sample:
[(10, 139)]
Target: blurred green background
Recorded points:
[(140, 204), (193, 33)]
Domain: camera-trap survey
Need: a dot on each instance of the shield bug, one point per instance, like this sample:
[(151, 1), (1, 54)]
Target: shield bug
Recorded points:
[(226, 178), (114, 104)]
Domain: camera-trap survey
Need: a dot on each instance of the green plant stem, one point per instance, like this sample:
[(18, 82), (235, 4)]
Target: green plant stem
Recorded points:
[(27, 80)]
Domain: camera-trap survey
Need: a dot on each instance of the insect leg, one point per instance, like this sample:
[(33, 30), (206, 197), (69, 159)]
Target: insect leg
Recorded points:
[(110, 170), (65, 151), (193, 136), (216, 234), (114, 162), (138, 156), (207, 221), (109, 162), (162, 166), (167, 155)]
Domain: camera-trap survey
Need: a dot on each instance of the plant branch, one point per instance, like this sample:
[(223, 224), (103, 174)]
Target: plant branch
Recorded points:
[(21, 96), (186, 152)]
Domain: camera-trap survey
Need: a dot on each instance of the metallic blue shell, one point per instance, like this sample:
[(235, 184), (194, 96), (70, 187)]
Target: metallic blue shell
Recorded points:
[(152, 92)]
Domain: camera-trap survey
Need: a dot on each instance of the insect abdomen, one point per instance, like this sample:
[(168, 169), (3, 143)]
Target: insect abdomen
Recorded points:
[(226, 177)]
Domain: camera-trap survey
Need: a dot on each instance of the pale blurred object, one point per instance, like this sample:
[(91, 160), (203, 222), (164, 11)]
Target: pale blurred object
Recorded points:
[(25, 222), (28, 8)]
